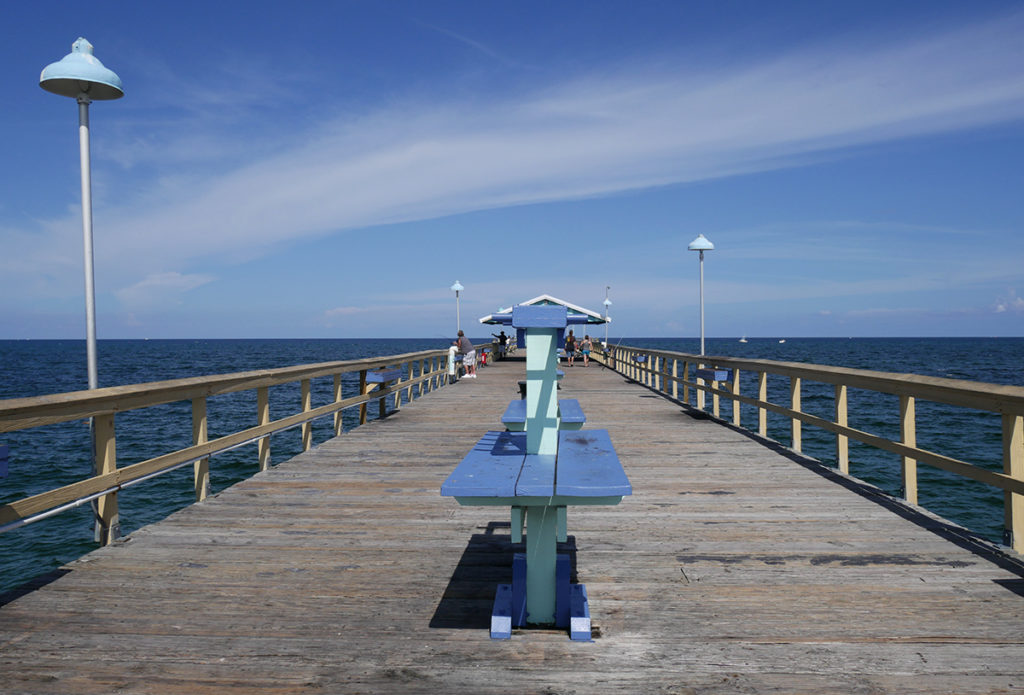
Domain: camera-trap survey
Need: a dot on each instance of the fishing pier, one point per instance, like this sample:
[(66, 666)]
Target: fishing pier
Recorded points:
[(737, 564)]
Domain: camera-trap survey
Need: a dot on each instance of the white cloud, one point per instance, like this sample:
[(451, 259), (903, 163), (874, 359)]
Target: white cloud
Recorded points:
[(159, 288), (1010, 303), (588, 136)]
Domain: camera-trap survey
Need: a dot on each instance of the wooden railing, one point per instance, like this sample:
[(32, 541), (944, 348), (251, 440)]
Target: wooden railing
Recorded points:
[(422, 372), (672, 372)]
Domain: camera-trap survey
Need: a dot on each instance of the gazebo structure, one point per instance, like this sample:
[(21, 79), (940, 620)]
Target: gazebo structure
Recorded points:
[(575, 313)]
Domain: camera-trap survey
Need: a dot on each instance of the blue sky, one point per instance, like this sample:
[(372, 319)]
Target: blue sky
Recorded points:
[(329, 169)]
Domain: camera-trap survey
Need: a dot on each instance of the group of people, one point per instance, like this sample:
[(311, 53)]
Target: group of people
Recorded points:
[(583, 346), (464, 346)]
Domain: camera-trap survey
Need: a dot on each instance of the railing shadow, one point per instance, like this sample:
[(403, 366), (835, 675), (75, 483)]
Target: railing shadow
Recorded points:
[(31, 585)]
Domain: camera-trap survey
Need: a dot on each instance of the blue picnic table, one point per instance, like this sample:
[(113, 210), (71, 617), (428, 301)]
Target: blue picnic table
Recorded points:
[(538, 473)]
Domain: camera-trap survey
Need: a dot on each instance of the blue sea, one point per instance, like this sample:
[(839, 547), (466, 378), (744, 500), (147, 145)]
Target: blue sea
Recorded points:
[(54, 455)]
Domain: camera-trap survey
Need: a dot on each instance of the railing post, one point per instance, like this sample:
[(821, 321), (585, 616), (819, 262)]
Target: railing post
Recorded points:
[(842, 441), (1013, 466), (700, 391), (263, 418), (794, 398), (398, 391), (762, 396), (675, 375), (686, 382), (908, 435), (201, 468), (735, 401), (362, 392), (339, 426), (714, 398), (307, 405), (107, 521)]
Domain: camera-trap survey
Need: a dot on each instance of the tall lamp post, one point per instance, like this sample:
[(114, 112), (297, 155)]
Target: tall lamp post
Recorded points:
[(701, 244), (456, 288), (82, 77), (607, 303)]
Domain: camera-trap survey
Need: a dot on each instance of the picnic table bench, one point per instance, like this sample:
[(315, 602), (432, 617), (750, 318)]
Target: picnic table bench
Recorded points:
[(538, 489), (714, 374), (538, 473), (371, 379), (570, 415), (522, 383)]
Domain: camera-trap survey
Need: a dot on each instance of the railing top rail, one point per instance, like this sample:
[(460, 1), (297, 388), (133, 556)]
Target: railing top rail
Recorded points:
[(1001, 398), (21, 413)]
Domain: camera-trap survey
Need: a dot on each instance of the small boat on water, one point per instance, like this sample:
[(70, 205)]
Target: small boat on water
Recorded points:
[(783, 340), (743, 339)]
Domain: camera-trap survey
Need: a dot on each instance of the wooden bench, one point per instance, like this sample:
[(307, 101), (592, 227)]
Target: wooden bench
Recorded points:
[(709, 374), (383, 377), (570, 415), (539, 488), (522, 383)]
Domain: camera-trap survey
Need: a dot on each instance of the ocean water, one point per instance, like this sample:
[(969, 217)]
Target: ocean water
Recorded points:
[(47, 457)]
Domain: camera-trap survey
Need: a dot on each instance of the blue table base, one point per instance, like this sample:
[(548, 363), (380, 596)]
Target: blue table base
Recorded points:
[(572, 610)]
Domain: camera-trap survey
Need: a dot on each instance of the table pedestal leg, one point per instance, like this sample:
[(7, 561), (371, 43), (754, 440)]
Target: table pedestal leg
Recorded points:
[(541, 546)]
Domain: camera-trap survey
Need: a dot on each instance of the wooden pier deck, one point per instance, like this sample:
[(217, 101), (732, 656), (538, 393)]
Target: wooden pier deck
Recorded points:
[(736, 566)]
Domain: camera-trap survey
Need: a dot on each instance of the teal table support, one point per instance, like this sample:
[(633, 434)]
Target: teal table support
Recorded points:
[(539, 473)]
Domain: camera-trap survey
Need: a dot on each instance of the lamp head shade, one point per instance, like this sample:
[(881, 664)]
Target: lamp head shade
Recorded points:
[(80, 72), (701, 243), (457, 287)]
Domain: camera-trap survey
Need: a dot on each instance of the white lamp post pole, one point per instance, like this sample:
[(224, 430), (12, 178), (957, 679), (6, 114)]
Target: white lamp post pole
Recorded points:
[(90, 275), (81, 76), (701, 244), (607, 303), (457, 287)]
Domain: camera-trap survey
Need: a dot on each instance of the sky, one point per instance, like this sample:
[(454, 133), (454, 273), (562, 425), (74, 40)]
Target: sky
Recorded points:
[(330, 169)]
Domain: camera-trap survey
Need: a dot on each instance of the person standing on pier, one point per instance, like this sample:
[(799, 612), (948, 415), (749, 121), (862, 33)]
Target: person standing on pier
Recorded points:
[(502, 344), (570, 347), (453, 350), (585, 348), (468, 355)]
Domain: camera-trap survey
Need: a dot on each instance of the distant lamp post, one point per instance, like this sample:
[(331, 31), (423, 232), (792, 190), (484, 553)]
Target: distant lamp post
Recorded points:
[(701, 244), (456, 288), (81, 76), (607, 303)]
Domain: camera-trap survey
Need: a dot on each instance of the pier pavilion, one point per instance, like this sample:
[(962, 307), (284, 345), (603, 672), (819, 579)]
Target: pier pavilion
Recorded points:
[(737, 565)]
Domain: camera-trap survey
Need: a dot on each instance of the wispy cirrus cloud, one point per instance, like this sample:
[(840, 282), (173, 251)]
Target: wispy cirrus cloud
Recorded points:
[(589, 135)]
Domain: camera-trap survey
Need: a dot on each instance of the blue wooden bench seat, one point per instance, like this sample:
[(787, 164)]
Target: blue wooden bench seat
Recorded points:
[(378, 376), (709, 374), (382, 376), (558, 377), (498, 471), (570, 415)]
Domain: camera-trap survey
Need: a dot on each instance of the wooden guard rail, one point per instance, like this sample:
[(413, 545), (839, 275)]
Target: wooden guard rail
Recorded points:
[(424, 371), (666, 372)]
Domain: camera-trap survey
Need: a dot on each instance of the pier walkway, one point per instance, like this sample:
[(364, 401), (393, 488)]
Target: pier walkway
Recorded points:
[(735, 566)]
